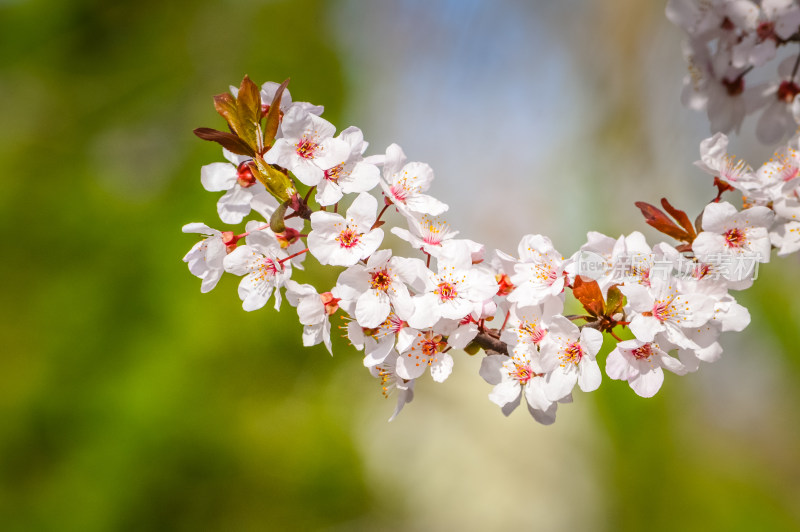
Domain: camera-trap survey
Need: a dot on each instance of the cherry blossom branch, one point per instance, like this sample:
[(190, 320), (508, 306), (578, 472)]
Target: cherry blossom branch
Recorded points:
[(490, 344), (408, 317)]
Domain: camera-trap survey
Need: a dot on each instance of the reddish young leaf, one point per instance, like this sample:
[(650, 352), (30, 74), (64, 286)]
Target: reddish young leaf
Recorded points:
[(681, 217), (225, 104), (590, 295), (229, 141), (274, 115), (656, 218)]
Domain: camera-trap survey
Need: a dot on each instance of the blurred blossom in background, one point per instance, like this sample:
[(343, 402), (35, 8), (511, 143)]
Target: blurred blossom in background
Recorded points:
[(129, 401)]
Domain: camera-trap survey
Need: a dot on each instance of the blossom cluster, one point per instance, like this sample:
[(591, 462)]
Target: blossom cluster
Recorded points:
[(726, 41), (302, 189)]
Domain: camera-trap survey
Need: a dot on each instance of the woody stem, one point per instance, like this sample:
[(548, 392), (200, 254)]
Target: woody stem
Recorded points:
[(490, 344)]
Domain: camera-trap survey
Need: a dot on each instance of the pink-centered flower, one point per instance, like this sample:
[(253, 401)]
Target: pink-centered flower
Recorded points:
[(739, 238), (259, 262), (352, 175), (715, 160), (526, 327), (777, 121), (307, 147), (405, 184), (428, 233), (642, 364), (425, 352), (511, 376), (240, 185), (539, 272), (344, 240), (456, 290), (314, 311), (205, 258), (568, 357), (380, 286), (666, 306)]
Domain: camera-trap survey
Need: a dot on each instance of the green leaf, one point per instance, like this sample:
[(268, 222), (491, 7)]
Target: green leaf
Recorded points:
[(615, 301), (276, 222), (277, 183), (472, 349)]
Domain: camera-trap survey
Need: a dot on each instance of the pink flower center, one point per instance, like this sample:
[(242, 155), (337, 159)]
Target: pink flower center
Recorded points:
[(399, 191), (642, 353), (433, 231), (522, 373), (333, 174), (535, 334), (790, 172), (394, 324), (381, 280), (446, 291), (733, 169), (783, 166), (430, 345), (643, 273), (572, 354), (432, 239), (266, 269), (662, 310), (735, 238), (348, 238), (306, 148), (701, 270)]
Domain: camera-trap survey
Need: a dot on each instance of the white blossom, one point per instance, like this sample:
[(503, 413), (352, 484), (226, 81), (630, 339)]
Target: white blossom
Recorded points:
[(642, 364), (343, 241), (259, 262), (568, 357), (205, 258)]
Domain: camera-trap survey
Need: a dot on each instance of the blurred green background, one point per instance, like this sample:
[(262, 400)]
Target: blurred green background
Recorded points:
[(129, 401)]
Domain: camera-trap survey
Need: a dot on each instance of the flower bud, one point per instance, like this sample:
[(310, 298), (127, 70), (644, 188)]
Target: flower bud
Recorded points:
[(505, 286), (230, 240), (787, 91), (245, 176), (331, 303)]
